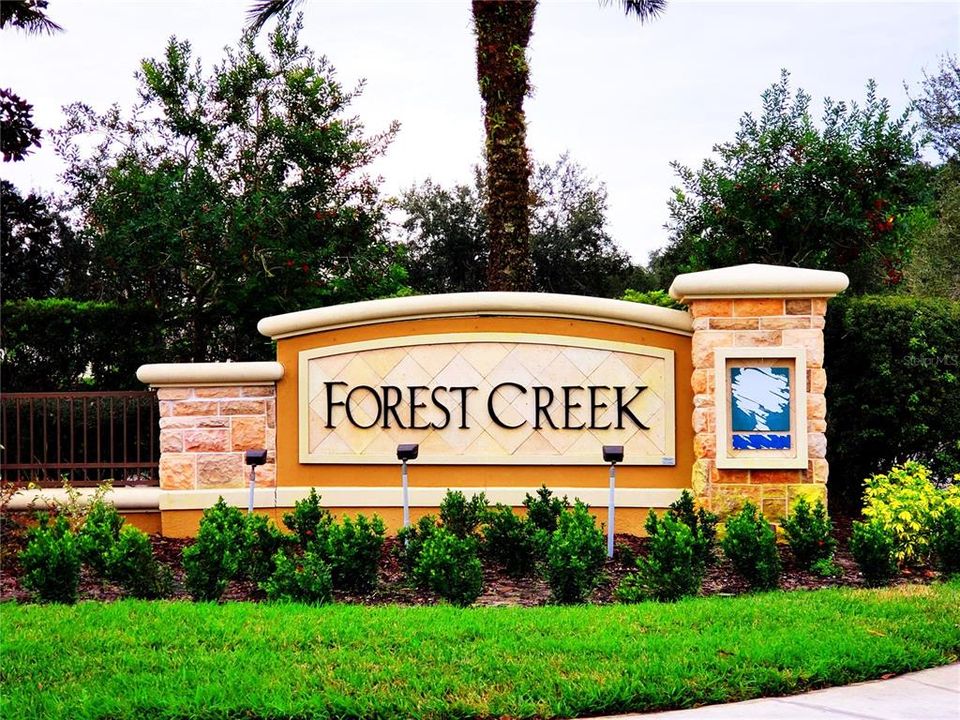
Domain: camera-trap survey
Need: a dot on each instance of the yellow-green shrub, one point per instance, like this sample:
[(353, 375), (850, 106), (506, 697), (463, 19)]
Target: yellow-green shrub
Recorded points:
[(907, 505)]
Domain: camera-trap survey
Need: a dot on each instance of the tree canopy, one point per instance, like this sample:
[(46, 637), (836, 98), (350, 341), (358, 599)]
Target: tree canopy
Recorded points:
[(845, 194), (229, 195), (573, 252)]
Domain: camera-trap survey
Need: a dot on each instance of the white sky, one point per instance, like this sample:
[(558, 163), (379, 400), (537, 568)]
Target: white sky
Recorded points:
[(622, 98)]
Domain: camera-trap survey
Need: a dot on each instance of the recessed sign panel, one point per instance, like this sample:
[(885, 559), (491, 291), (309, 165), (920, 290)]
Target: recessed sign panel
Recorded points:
[(761, 408), (487, 398)]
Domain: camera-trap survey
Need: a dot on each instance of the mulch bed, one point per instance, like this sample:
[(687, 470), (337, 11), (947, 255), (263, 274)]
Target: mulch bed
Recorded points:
[(499, 589)]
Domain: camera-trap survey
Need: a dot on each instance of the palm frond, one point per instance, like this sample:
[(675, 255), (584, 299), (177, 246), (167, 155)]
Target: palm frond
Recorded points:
[(643, 9), (28, 15), (263, 10)]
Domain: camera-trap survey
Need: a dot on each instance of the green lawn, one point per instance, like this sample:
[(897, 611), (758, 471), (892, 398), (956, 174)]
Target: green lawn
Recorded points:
[(181, 660)]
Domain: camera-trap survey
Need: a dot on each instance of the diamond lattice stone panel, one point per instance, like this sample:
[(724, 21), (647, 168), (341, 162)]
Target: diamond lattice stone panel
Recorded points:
[(509, 400)]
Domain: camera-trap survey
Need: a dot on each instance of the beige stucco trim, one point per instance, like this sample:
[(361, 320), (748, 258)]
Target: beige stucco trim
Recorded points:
[(758, 281), (669, 399), (772, 460), (474, 304), (210, 374), (391, 497), (123, 498)]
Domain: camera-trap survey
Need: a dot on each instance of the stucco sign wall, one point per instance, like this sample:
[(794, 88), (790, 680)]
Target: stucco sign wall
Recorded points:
[(487, 398)]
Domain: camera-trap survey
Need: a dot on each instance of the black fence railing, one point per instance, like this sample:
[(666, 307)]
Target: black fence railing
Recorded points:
[(84, 437)]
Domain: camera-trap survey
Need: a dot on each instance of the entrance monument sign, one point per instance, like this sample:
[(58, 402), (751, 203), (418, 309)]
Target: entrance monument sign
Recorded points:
[(504, 392)]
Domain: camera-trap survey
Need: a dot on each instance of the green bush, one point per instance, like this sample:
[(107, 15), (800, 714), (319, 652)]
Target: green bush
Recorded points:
[(309, 521), (411, 540), (448, 565), (809, 532), (214, 558), (82, 346), (98, 534), (660, 298), (673, 567), (826, 568), (907, 506), (352, 550), (460, 516), (702, 524), (946, 540), (544, 510), (130, 563), (751, 545), (262, 539), (510, 540), (304, 579), (51, 561), (875, 552), (576, 555), (891, 361)]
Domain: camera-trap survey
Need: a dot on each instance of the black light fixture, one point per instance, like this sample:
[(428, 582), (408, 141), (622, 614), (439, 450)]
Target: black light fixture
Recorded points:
[(408, 451), (405, 452), (253, 458), (612, 454)]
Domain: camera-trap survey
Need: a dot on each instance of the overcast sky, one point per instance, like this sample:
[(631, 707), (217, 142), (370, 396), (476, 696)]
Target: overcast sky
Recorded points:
[(623, 99)]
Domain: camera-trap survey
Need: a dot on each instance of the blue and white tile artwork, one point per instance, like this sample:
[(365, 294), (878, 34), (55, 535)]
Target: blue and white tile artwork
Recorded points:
[(758, 441), (760, 408)]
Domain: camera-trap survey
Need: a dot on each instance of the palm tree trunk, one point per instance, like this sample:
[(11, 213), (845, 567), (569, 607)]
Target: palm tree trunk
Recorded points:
[(503, 29)]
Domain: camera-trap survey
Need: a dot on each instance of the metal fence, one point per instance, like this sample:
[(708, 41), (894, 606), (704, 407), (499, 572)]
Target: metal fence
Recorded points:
[(84, 437)]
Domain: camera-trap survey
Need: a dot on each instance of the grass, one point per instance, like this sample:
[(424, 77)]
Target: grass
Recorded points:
[(135, 659)]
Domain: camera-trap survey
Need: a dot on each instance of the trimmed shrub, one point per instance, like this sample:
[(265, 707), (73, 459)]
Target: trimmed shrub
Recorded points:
[(411, 540), (826, 568), (672, 568), (130, 563), (751, 545), (460, 516), (448, 565), (809, 532), (51, 561), (907, 506), (261, 541), (98, 534), (702, 524), (214, 558), (108, 339), (875, 552), (946, 540), (510, 540), (544, 510), (576, 555), (304, 579), (308, 521), (891, 361), (352, 550)]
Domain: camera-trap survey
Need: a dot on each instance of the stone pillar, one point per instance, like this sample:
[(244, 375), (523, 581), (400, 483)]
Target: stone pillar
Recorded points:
[(210, 414), (781, 311)]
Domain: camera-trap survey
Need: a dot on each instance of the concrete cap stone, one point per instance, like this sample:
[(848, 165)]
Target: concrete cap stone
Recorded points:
[(475, 304), (207, 374), (756, 280)]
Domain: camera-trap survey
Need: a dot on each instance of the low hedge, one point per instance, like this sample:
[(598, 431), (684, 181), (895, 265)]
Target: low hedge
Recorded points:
[(893, 368)]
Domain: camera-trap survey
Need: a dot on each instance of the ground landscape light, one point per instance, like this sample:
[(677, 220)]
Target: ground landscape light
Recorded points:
[(254, 458), (408, 451), (612, 454), (405, 452)]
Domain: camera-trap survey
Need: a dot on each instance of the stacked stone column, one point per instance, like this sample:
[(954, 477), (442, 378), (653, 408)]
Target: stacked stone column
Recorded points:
[(205, 429), (749, 307)]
